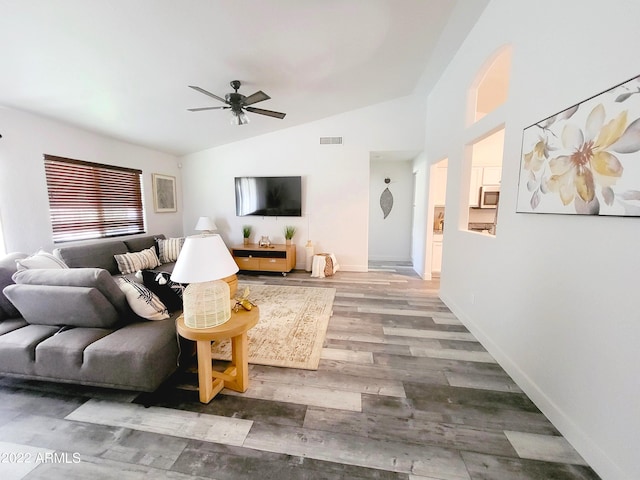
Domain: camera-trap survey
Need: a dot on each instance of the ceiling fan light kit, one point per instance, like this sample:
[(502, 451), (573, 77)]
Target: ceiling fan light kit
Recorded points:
[(239, 104)]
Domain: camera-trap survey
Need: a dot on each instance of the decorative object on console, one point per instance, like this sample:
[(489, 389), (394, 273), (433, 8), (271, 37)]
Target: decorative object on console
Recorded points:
[(386, 199), (205, 225), (584, 160), (203, 262), (289, 232), (246, 233), (265, 241), (164, 193)]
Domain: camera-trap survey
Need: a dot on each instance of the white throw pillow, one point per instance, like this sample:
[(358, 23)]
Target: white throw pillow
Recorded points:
[(143, 301), (169, 249), (132, 262), (40, 259)]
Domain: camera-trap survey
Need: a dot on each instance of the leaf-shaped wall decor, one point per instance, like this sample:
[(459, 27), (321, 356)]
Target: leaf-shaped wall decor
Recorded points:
[(386, 202)]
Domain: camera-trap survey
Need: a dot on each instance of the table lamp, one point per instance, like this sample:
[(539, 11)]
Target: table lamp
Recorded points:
[(206, 225), (203, 261)]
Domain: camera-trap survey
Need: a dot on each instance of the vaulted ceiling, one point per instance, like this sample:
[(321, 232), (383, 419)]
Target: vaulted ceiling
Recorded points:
[(121, 67)]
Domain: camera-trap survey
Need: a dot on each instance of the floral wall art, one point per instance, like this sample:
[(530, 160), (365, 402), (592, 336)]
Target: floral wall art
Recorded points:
[(585, 160)]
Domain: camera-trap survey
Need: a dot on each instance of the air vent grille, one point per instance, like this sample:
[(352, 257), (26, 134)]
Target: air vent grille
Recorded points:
[(330, 140)]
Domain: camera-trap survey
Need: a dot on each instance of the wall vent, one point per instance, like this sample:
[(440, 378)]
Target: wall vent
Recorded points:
[(330, 140)]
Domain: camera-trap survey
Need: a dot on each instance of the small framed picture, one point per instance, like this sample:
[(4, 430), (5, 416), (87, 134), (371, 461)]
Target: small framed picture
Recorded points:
[(164, 193)]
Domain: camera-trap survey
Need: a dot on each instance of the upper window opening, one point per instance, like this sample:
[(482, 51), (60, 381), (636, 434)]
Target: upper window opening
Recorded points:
[(90, 200), (492, 84)]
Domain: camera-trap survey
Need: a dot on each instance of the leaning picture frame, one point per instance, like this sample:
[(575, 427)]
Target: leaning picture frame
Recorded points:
[(164, 193), (585, 160)]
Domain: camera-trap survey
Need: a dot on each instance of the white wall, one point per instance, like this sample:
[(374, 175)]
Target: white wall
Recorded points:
[(335, 178), (390, 238), (421, 236), (553, 297), (24, 204)]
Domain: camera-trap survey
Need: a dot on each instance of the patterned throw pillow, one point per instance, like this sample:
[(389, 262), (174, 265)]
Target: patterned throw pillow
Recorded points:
[(143, 301), (169, 249), (38, 260), (132, 262), (160, 283)]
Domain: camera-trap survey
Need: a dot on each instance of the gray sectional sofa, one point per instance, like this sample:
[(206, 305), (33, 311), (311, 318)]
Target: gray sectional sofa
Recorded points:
[(75, 325)]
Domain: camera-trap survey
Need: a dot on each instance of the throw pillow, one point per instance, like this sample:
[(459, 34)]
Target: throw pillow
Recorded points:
[(143, 301), (132, 262), (169, 249), (40, 259), (160, 283)]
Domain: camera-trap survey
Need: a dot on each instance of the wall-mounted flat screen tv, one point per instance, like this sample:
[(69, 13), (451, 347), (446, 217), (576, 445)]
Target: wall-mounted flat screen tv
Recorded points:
[(269, 196)]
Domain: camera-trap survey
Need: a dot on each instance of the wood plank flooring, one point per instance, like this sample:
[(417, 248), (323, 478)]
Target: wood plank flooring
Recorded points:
[(403, 391)]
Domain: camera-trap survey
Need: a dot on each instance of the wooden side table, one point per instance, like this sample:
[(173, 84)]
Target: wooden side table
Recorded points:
[(236, 376)]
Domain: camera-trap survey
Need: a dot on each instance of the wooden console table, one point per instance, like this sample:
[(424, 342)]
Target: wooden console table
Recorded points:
[(276, 258), (236, 376)]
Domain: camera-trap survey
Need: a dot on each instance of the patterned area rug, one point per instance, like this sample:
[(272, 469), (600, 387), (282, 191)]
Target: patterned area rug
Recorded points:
[(292, 326)]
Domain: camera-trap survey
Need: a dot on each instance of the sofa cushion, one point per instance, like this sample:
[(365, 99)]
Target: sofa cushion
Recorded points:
[(61, 355), (132, 262), (79, 277), (160, 283), (18, 348), (56, 305), (137, 244), (95, 255), (7, 269), (117, 359), (143, 301), (169, 249)]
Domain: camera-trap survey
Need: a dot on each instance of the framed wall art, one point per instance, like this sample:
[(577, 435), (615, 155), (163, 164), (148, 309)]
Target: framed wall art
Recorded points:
[(164, 193), (585, 160)]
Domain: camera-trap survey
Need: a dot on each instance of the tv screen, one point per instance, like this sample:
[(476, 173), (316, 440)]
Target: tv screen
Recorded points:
[(269, 196)]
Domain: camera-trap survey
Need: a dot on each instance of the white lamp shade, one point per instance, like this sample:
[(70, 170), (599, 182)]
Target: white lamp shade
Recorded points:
[(205, 224), (202, 259)]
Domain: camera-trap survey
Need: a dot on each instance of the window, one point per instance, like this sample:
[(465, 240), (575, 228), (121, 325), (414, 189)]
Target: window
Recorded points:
[(89, 200), (492, 84)]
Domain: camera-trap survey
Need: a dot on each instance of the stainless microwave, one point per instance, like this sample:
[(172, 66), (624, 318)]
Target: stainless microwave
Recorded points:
[(489, 196)]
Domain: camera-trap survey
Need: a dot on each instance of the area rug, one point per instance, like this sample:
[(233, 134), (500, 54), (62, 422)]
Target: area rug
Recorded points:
[(292, 326)]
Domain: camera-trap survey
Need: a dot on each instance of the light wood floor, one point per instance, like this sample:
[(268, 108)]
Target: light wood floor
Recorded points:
[(403, 391)]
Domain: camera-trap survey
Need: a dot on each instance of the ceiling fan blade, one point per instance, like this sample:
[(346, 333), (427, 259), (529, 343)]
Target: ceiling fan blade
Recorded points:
[(259, 96), (201, 90), (204, 108), (269, 113)]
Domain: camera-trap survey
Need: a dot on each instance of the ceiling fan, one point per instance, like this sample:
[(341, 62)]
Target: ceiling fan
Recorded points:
[(238, 103)]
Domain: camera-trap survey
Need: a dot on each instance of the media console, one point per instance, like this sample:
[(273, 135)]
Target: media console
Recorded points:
[(275, 258)]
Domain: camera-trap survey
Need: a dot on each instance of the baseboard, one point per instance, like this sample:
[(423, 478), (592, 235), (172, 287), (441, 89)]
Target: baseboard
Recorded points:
[(589, 450)]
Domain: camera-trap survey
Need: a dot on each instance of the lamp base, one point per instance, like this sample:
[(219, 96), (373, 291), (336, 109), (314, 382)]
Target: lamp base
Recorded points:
[(206, 304)]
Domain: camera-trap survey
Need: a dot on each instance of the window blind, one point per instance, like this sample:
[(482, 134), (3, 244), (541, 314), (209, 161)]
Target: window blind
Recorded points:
[(90, 200)]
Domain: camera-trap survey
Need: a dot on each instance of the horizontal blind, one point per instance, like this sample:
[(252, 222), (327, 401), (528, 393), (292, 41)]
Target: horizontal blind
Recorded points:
[(90, 200)]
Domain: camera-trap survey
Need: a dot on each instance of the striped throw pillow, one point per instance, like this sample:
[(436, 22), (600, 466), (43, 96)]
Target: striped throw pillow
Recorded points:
[(169, 249), (143, 301), (132, 262)]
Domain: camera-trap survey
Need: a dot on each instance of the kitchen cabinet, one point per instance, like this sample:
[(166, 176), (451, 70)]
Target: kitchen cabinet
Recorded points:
[(474, 186), (491, 175), (436, 253)]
